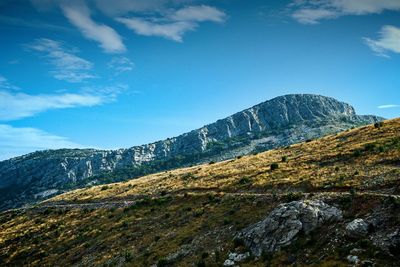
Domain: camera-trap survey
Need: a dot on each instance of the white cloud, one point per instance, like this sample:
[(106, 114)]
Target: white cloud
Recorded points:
[(312, 16), (4, 84), (199, 13), (121, 64), (69, 67), (389, 41), (389, 106), (19, 141), (15, 106), (312, 11), (173, 31), (174, 24), (78, 14)]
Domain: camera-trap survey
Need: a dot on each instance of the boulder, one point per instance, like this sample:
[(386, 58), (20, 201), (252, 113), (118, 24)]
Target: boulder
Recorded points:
[(284, 223), (357, 228), (237, 257), (353, 259), (229, 263)]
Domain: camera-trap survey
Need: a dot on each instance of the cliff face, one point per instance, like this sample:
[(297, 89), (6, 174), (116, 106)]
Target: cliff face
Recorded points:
[(277, 122)]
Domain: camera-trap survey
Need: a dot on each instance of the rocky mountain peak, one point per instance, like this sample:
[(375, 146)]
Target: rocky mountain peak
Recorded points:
[(277, 122)]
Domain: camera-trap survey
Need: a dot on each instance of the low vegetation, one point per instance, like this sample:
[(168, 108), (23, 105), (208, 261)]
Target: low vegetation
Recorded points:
[(189, 217)]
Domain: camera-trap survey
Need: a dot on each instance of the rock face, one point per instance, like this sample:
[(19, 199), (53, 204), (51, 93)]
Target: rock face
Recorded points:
[(285, 222), (278, 122), (357, 228)]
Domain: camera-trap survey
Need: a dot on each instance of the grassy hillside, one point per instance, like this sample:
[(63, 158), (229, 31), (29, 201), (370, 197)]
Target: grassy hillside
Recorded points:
[(188, 217)]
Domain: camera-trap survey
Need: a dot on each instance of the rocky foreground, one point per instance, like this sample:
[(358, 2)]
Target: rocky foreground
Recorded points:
[(327, 202)]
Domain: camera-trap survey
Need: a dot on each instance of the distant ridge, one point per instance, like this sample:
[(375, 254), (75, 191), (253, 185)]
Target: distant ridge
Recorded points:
[(277, 122)]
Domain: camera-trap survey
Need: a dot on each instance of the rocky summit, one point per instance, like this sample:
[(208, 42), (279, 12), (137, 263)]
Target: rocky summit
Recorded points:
[(274, 123)]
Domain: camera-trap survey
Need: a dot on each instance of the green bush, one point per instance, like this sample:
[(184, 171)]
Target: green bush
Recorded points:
[(284, 158), (274, 166), (244, 180), (238, 242), (378, 124)]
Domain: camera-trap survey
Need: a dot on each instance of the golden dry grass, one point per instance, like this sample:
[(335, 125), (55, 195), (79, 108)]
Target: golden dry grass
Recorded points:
[(199, 209)]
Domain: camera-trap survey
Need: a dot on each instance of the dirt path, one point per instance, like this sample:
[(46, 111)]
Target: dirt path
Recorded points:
[(132, 200)]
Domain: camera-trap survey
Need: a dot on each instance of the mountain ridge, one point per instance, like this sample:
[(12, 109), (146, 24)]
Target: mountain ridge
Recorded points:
[(280, 121)]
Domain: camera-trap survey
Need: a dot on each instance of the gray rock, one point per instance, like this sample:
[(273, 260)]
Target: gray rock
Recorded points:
[(367, 263), (282, 121), (357, 228), (229, 263), (285, 222), (353, 259), (237, 257)]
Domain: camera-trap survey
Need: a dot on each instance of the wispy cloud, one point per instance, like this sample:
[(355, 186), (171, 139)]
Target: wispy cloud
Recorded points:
[(4, 84), (121, 64), (78, 14), (15, 106), (389, 41), (68, 66), (19, 141), (199, 13), (174, 24), (312, 16), (173, 31), (312, 12), (19, 22), (389, 106)]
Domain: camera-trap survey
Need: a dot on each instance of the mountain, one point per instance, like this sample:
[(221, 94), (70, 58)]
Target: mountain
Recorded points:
[(333, 201), (275, 123)]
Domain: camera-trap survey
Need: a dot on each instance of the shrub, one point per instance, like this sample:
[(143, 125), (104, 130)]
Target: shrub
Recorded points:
[(104, 187), (274, 166), (227, 221), (284, 158), (128, 256), (238, 242), (378, 124), (211, 162), (201, 263), (244, 180), (162, 263), (369, 147), (294, 196)]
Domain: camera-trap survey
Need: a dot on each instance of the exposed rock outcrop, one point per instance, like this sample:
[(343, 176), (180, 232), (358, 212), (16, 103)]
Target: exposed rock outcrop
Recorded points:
[(285, 222), (278, 122), (357, 228)]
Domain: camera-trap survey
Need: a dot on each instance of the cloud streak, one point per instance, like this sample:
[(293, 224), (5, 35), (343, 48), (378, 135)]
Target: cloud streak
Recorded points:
[(68, 66), (121, 65), (389, 41), (175, 24), (15, 106), (19, 141), (312, 12), (78, 14), (173, 31), (4, 84), (388, 106)]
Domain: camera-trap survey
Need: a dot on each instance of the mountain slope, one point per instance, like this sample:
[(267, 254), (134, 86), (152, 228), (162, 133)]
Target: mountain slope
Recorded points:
[(278, 122), (191, 216)]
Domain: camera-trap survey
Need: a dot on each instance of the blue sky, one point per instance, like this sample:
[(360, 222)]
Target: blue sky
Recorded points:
[(93, 74)]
